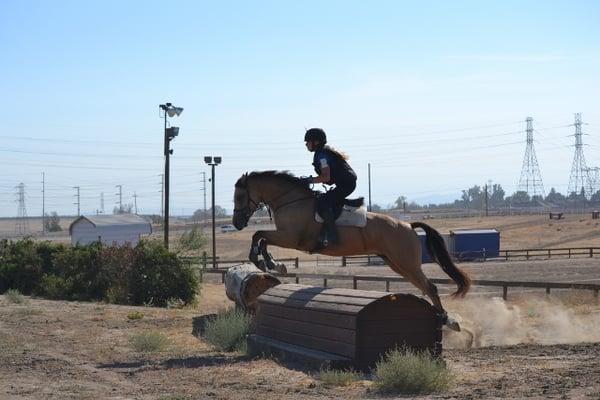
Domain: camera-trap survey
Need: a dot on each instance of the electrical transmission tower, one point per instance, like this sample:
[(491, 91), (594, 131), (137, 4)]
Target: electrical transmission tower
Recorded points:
[(579, 179), (22, 226), (531, 178), (593, 174)]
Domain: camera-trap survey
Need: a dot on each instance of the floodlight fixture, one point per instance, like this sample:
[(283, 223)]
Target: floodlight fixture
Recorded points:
[(217, 160), (207, 159), (172, 132)]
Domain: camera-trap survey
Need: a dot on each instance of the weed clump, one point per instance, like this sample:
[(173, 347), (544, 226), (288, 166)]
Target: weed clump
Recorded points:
[(149, 342), (135, 315), (332, 377), (14, 296), (405, 371), (228, 330)]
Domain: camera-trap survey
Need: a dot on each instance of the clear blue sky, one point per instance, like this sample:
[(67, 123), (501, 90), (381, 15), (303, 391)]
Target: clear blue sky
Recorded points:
[(433, 94)]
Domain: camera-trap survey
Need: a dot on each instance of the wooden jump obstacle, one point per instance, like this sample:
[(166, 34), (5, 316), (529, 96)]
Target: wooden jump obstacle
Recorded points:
[(555, 215), (341, 328)]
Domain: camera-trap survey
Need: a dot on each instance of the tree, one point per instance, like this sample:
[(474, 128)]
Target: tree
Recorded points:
[(496, 198), (400, 202), (52, 222), (193, 239), (520, 198), (377, 207), (555, 197), (125, 209), (199, 215)]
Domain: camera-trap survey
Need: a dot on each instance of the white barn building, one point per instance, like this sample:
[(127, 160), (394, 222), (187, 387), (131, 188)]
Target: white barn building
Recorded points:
[(118, 229)]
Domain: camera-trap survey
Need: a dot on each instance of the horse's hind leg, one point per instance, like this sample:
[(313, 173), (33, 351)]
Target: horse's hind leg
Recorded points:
[(412, 272)]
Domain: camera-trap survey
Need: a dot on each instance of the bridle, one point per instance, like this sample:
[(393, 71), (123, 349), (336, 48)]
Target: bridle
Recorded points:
[(247, 211)]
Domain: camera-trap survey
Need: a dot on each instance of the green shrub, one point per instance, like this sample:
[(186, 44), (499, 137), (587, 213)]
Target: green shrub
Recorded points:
[(228, 330), (149, 342), (332, 377), (407, 372), (20, 266), (134, 315), (52, 287), (147, 273), (14, 296)]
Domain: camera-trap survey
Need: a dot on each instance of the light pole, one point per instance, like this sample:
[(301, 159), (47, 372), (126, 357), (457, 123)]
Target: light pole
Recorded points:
[(169, 111), (213, 161)]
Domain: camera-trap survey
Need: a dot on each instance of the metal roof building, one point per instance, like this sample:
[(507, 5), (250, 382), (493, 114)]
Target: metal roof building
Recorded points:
[(109, 229)]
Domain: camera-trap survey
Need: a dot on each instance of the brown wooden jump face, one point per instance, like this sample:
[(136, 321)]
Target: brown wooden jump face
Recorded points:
[(327, 327)]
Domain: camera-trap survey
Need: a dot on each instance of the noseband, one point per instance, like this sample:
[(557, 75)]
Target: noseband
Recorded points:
[(247, 211)]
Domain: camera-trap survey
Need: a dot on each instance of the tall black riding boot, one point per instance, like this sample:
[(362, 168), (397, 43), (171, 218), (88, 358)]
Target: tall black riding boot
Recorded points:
[(330, 230)]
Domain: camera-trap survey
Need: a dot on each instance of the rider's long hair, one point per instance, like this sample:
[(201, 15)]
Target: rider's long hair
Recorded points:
[(338, 153)]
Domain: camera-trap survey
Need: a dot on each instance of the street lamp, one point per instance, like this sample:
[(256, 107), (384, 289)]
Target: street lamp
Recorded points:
[(213, 161), (170, 133)]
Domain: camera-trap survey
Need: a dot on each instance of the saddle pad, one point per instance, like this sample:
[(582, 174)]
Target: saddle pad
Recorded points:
[(350, 216)]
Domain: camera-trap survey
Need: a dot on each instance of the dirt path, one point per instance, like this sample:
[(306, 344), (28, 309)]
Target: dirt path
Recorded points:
[(70, 350)]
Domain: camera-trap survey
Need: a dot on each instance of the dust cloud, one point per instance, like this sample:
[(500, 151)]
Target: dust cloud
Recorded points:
[(534, 320)]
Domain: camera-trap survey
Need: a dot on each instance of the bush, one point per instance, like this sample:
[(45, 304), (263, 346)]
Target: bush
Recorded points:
[(228, 330), (14, 296), (408, 372), (134, 315), (145, 274), (20, 266), (332, 377), (149, 342)]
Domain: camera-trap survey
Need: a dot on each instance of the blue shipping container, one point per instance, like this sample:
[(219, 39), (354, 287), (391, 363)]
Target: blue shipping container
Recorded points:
[(472, 244)]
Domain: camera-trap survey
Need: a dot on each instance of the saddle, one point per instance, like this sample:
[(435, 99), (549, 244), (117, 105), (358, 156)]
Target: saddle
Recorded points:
[(351, 213)]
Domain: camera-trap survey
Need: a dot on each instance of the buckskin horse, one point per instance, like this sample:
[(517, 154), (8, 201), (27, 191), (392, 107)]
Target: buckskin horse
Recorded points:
[(293, 205)]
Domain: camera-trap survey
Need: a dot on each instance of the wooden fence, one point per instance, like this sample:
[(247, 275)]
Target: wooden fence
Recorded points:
[(326, 278)]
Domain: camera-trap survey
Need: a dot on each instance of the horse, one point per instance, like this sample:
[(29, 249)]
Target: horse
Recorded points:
[(293, 205)]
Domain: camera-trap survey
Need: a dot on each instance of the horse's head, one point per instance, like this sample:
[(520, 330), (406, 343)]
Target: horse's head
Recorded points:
[(244, 204)]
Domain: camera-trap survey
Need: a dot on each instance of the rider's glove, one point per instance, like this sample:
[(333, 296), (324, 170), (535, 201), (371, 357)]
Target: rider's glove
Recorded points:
[(306, 180)]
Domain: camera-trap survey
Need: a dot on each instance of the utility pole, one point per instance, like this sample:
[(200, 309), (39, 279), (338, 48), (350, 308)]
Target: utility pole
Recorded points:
[(204, 191), (102, 202), (43, 204), (78, 202), (135, 201), (530, 180), (579, 179), (162, 198), (120, 194), (369, 186), (486, 200), (22, 227)]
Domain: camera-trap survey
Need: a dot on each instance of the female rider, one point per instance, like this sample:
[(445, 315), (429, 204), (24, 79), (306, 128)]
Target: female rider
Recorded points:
[(332, 168)]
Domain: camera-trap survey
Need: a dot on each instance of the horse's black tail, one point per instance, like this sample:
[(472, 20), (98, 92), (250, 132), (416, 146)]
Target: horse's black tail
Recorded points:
[(439, 253)]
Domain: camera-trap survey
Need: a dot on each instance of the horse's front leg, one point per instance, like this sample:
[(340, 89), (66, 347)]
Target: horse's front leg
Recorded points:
[(255, 251), (275, 238)]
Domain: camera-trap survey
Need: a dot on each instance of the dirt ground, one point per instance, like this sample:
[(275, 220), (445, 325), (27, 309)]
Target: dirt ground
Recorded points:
[(532, 346), (74, 350)]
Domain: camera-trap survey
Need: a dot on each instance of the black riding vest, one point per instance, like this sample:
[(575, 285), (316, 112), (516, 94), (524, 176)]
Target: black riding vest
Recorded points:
[(340, 171)]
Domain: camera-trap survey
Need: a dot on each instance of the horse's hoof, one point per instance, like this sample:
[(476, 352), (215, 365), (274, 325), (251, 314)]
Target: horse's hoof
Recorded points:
[(452, 324), (281, 268)]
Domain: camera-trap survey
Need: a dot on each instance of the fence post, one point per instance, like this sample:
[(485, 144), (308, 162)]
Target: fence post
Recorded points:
[(548, 290), (387, 285), (505, 292), (324, 282), (296, 263), (569, 252), (297, 279), (591, 252), (343, 261), (527, 255), (354, 282), (549, 255), (506, 254)]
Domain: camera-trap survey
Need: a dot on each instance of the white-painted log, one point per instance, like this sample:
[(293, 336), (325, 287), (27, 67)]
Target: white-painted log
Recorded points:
[(244, 283)]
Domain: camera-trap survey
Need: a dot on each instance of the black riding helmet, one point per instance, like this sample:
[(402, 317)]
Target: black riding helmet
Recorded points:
[(315, 134)]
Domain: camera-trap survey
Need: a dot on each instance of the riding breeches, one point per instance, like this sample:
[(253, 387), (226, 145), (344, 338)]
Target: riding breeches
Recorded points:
[(335, 196)]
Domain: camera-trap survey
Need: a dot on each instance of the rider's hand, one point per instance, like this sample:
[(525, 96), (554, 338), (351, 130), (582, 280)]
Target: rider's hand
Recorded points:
[(306, 180)]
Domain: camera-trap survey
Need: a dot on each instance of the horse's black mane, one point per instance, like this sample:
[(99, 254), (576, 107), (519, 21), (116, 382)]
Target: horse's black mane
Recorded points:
[(283, 175)]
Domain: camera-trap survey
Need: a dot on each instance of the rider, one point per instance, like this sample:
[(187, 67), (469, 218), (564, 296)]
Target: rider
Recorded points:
[(331, 168)]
